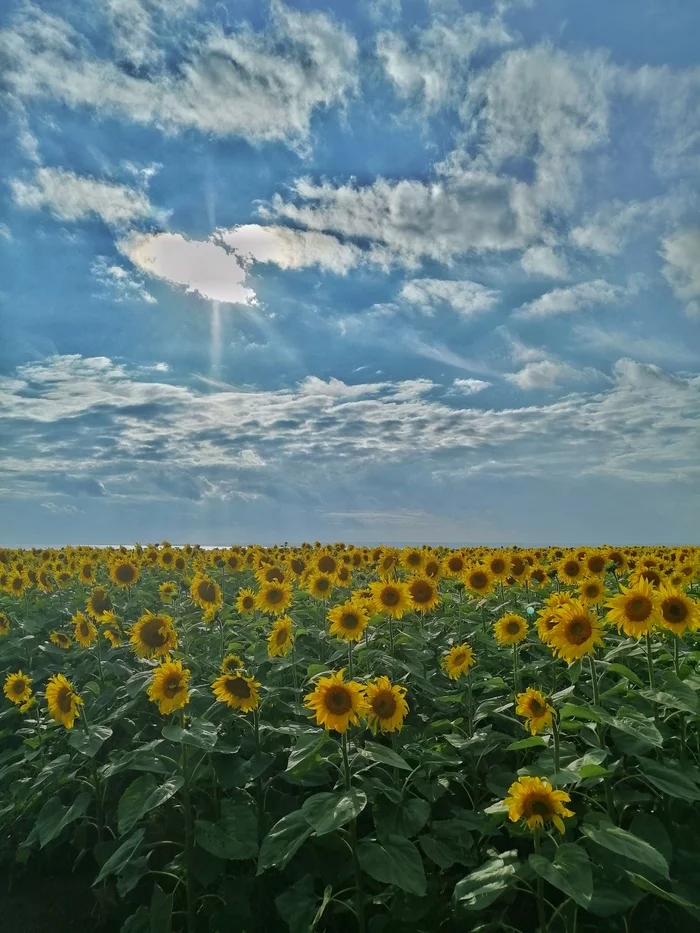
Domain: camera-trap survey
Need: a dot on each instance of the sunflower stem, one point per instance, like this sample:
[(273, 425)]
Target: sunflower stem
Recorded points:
[(294, 670), (189, 877), (359, 894), (258, 780), (541, 918), (515, 671), (391, 636), (555, 737), (350, 660), (650, 663), (609, 801), (676, 657), (470, 711)]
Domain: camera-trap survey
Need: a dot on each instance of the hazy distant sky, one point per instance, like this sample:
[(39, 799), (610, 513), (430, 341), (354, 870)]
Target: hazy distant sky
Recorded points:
[(369, 270)]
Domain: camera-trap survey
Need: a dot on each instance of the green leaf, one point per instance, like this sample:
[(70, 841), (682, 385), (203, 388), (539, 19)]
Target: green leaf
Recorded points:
[(534, 741), (623, 671), (54, 816), (138, 922), (137, 682), (305, 756), (578, 711), (674, 695), (385, 756), (650, 888), (484, 885), (406, 819), (329, 811), (623, 843), (89, 743), (161, 911), (116, 862), (235, 836), (570, 872), (283, 841), (142, 796), (640, 728), (396, 861), (201, 734), (653, 831), (297, 905), (671, 781)]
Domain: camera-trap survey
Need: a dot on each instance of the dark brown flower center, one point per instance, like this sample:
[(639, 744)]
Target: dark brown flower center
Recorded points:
[(384, 704), (478, 580), (64, 699), (322, 585), (498, 565), (297, 565), (390, 597), (578, 631), (455, 564), (536, 708), (274, 575), (171, 686), (513, 627), (338, 700), (19, 686), (100, 602), (639, 608), (151, 634), (248, 602), (421, 592), (274, 596), (596, 563), (282, 635), (459, 659), (517, 566), (674, 611), (327, 564), (540, 807), (238, 688), (207, 591), (349, 621), (572, 568), (125, 573)]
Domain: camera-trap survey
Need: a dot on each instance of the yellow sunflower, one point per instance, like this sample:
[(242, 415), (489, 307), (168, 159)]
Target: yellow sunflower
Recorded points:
[(237, 691), (596, 562), (592, 590), (337, 703), (18, 688), (635, 610), (245, 602), (391, 598), (478, 579), (498, 565), (274, 598), (534, 800), (571, 569), (98, 603), (17, 583), (84, 631), (458, 660), (386, 705), (166, 558), (413, 559), (348, 620), (60, 639), (534, 707), (510, 629), (4, 625), (123, 573), (538, 577), (231, 664), (167, 591), (86, 573), (62, 701), (113, 633), (424, 594), (454, 564), (577, 632), (281, 638), (206, 593), (679, 613), (153, 636), (169, 687), (319, 585)]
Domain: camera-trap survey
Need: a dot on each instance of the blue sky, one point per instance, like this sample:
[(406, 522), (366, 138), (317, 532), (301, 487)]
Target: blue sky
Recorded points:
[(400, 270)]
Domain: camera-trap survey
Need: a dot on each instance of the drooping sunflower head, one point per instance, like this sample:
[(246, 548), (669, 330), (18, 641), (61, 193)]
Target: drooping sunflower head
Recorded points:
[(348, 620), (518, 567), (206, 593), (458, 661), (60, 639), (123, 573), (538, 577), (237, 691), (635, 610), (231, 664), (337, 703), (281, 638), (679, 613), (84, 630), (392, 598), (534, 801), (62, 701), (153, 636), (245, 602), (167, 591), (533, 705), (4, 625), (98, 603), (386, 705), (86, 572), (388, 561), (592, 590), (113, 633), (433, 568), (274, 598), (577, 632), (18, 688), (424, 594), (169, 687), (510, 629), (479, 579)]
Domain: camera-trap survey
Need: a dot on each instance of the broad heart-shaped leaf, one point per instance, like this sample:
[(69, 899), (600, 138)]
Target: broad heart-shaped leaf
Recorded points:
[(623, 671), (570, 871), (305, 756), (201, 734), (396, 861), (121, 857), (235, 836), (138, 922), (671, 781), (329, 811), (141, 796), (54, 816), (650, 888), (533, 741), (623, 843), (297, 905), (89, 743), (484, 885), (639, 727), (405, 819), (283, 841), (161, 911), (385, 756)]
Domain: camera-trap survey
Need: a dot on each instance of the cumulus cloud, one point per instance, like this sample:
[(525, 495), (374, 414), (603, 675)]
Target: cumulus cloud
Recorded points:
[(119, 283), (573, 298), (291, 249), (468, 386), (263, 86), (73, 197), (542, 261), (465, 297), (681, 254), (544, 374), (608, 229), (200, 265)]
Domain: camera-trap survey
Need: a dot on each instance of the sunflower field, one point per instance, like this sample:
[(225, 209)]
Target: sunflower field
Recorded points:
[(338, 738)]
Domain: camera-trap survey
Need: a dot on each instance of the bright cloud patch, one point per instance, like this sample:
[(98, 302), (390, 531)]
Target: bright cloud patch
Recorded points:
[(466, 298), (573, 298), (681, 252), (289, 248)]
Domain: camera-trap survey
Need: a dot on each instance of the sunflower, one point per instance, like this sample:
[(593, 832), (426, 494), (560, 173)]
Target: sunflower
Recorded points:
[(281, 639), (538, 577), (84, 631), (113, 633), (86, 573), (478, 579), (454, 564), (4, 625), (413, 559), (325, 562), (510, 629), (319, 585), (17, 583), (458, 661), (518, 567), (533, 800), (231, 664), (678, 612), (63, 702), (534, 707), (498, 566), (166, 558), (44, 581), (18, 688), (167, 590), (387, 562), (123, 573), (206, 593), (432, 568), (591, 590), (245, 602), (635, 610), (274, 598), (337, 703), (180, 563), (348, 620), (424, 594), (393, 599), (576, 633), (546, 622), (571, 570), (237, 691), (153, 636), (98, 603), (60, 639), (596, 562), (169, 687), (386, 705)]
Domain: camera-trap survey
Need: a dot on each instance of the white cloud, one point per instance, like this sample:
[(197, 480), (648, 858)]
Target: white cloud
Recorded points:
[(647, 349), (5, 232), (291, 249), (200, 265), (544, 262), (609, 228), (263, 86), (72, 197), (681, 253), (574, 297), (468, 386), (465, 297), (137, 25), (119, 282), (544, 374)]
